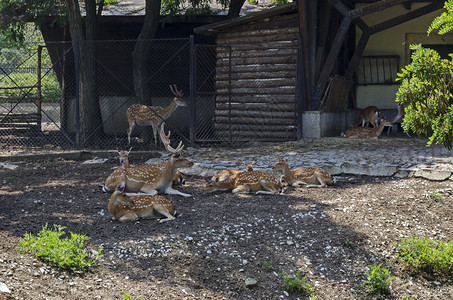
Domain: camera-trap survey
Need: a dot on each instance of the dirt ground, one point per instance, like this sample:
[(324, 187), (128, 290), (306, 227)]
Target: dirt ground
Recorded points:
[(221, 240)]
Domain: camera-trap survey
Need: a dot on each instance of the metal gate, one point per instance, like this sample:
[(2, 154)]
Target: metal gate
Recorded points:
[(46, 105)]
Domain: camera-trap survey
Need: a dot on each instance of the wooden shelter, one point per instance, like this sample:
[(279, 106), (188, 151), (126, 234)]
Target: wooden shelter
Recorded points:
[(329, 37)]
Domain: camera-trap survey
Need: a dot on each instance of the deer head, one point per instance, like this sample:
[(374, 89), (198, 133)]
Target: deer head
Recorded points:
[(178, 95)]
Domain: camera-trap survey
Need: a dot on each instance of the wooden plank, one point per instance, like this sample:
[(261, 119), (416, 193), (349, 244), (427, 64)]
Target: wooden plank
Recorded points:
[(255, 52), (287, 90), (272, 99), (256, 68), (264, 115), (266, 31), (239, 121), (256, 75), (256, 106), (248, 135), (16, 99), (258, 40), (257, 61), (256, 84)]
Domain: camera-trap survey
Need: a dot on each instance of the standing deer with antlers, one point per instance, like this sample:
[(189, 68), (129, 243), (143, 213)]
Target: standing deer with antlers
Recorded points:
[(145, 115), (310, 177), (150, 179)]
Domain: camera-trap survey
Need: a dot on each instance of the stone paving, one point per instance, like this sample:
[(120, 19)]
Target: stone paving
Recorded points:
[(400, 157)]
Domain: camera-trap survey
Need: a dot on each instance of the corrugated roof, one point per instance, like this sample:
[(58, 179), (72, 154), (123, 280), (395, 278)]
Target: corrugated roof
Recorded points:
[(219, 26)]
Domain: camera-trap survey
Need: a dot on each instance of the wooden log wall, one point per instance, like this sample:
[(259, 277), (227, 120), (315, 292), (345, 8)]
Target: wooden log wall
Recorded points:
[(256, 80)]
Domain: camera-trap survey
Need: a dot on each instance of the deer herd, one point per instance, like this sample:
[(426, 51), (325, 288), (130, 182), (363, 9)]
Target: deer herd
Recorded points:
[(137, 191)]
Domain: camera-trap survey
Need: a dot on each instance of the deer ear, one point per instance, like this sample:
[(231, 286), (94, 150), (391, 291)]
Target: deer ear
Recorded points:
[(122, 187)]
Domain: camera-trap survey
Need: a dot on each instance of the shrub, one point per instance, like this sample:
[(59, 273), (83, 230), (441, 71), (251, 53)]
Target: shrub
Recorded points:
[(425, 255), (68, 254), (378, 280), (298, 284)]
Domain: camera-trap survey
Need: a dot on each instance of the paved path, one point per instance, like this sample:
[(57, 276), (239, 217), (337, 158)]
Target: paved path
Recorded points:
[(401, 157)]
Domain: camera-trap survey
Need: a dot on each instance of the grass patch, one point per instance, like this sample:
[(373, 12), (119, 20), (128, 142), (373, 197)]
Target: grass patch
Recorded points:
[(433, 257), (67, 254)]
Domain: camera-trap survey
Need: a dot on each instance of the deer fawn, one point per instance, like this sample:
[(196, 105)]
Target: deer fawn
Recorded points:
[(144, 115), (223, 180), (150, 179), (131, 208), (245, 182), (123, 157), (366, 132), (369, 114), (310, 177), (258, 182)]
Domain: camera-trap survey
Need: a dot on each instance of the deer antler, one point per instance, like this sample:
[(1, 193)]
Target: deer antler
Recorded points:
[(174, 90), (166, 141)]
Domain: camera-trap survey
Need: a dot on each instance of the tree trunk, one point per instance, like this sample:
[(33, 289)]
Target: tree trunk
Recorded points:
[(140, 55), (90, 113), (235, 8)]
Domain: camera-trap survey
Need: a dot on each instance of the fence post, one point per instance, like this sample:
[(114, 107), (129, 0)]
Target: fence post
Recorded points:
[(191, 91), (39, 86), (77, 90)]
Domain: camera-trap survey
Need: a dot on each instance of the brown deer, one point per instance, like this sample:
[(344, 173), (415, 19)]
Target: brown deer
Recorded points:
[(369, 114), (123, 157), (145, 115), (131, 208), (366, 132), (257, 182), (310, 177), (150, 179), (246, 182), (223, 180)]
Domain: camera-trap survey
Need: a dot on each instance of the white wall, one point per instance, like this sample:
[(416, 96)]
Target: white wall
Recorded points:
[(395, 41)]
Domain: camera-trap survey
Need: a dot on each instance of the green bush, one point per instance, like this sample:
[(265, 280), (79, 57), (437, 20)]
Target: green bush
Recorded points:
[(378, 280), (426, 255), (298, 284), (68, 254)]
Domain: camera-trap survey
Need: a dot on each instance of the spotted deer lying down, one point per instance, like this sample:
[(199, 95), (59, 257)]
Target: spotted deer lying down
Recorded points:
[(366, 132), (310, 177), (247, 182), (131, 208), (150, 179), (228, 174), (123, 157)]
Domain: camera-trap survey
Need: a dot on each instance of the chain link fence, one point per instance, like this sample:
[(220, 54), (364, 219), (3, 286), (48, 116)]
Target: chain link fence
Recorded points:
[(66, 97)]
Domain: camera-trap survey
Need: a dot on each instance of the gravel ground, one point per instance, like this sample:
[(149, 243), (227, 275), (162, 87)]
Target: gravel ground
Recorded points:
[(221, 241)]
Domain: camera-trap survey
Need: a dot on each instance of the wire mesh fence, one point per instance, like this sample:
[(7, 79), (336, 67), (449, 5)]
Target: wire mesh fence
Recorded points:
[(245, 93), (69, 96)]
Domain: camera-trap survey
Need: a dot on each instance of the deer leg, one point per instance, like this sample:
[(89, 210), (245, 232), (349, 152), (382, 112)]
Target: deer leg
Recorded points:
[(171, 191), (129, 131), (164, 211), (320, 179), (129, 216), (268, 190), (155, 133), (148, 190), (241, 189)]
